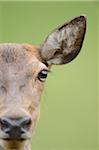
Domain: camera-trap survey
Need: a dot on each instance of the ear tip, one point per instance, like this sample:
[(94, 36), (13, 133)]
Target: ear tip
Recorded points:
[(81, 18)]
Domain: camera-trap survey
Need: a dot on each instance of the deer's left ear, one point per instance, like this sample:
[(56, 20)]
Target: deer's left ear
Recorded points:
[(64, 43)]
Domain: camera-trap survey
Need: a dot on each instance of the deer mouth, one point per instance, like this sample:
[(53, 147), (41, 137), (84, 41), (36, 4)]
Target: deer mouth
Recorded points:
[(21, 138), (14, 139)]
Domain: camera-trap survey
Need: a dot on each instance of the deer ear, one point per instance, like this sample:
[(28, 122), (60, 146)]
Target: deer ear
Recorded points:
[(64, 43)]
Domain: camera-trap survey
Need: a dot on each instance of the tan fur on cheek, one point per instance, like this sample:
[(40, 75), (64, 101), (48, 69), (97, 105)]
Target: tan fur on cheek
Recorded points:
[(35, 118)]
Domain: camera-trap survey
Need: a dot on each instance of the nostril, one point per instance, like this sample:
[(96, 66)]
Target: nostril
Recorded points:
[(26, 124), (4, 124)]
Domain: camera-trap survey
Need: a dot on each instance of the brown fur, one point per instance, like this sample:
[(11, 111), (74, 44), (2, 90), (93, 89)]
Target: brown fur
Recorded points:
[(20, 88)]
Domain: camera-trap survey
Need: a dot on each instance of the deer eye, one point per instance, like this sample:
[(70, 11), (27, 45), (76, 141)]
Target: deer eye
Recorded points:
[(42, 75)]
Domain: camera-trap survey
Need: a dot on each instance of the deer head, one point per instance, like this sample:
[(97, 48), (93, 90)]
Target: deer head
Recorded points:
[(23, 71)]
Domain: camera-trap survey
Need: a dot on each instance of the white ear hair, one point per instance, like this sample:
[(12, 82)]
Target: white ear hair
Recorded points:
[(65, 42)]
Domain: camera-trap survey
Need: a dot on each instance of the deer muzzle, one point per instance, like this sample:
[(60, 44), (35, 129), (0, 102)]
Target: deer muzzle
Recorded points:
[(15, 128)]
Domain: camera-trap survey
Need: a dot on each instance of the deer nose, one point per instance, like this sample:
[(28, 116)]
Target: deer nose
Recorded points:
[(15, 127)]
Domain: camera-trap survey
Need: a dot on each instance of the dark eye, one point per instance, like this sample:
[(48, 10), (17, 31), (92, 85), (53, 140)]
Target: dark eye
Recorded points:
[(42, 75)]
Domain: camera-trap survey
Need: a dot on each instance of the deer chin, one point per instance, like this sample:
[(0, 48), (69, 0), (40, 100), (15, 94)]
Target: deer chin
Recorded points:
[(14, 144)]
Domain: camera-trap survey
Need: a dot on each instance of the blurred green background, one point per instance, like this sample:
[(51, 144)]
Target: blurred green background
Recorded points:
[(69, 106)]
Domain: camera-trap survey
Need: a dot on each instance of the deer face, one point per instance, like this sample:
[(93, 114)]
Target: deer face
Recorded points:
[(23, 70)]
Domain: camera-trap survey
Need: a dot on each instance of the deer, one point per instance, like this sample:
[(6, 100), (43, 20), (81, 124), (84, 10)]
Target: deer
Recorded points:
[(23, 72)]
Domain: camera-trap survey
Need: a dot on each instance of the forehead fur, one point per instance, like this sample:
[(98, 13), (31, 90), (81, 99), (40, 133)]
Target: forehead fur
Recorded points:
[(10, 53)]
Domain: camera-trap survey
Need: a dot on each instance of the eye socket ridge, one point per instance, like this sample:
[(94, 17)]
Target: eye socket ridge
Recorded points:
[(42, 75)]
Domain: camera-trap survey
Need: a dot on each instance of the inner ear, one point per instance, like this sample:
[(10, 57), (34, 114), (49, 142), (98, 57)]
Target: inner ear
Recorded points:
[(65, 42)]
